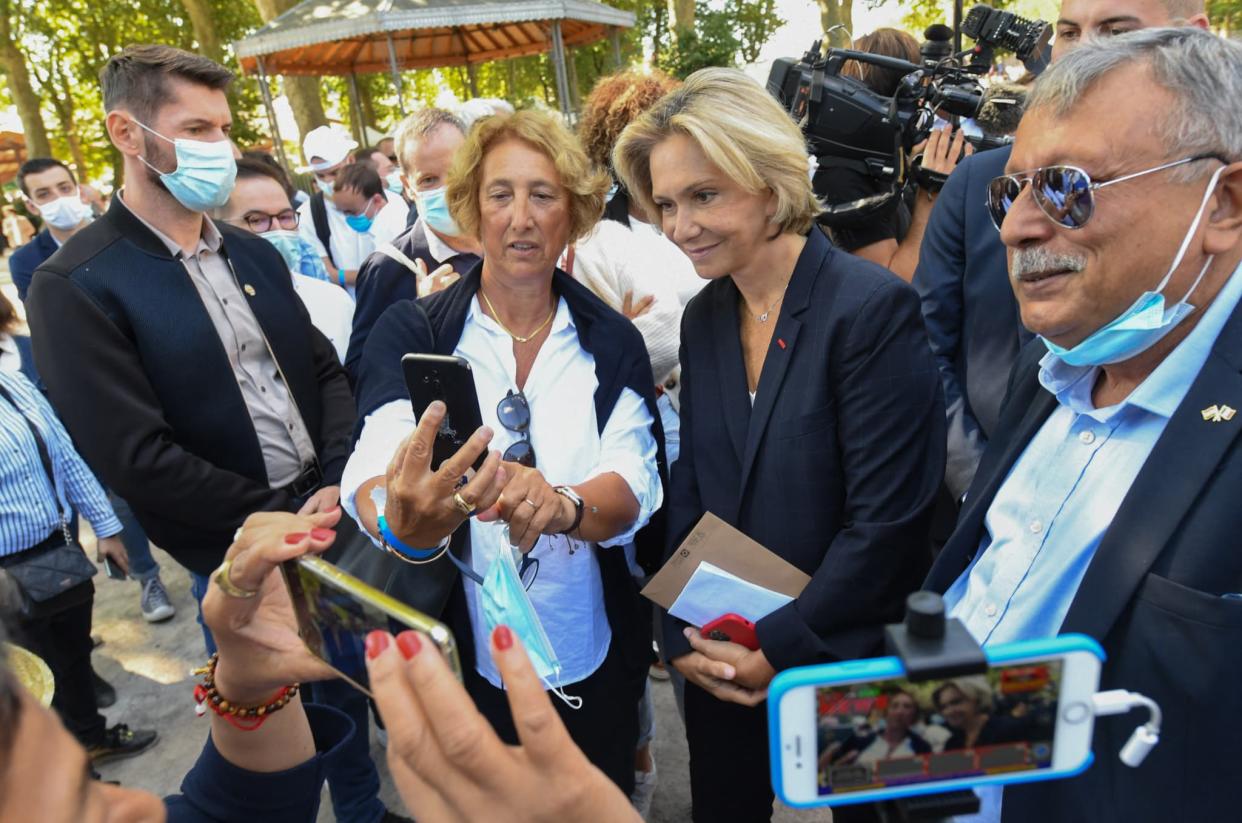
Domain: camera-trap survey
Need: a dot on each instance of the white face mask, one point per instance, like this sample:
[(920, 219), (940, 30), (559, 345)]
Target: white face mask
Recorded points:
[(65, 213)]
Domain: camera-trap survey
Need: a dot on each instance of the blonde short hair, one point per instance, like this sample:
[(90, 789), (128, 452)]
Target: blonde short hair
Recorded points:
[(741, 128), (974, 688), (586, 183)]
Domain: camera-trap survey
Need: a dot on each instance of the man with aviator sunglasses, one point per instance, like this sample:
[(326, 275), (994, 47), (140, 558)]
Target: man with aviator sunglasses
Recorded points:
[(1106, 501), (971, 317)]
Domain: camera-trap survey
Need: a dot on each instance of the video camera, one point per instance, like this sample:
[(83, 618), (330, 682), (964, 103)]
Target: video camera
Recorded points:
[(849, 125)]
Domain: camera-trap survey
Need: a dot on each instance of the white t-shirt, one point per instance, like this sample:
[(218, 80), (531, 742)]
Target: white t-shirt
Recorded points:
[(567, 591), (350, 248), (330, 309), (612, 260)]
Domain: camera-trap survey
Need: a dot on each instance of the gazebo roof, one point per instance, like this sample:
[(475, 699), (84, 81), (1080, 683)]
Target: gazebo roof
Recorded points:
[(321, 37)]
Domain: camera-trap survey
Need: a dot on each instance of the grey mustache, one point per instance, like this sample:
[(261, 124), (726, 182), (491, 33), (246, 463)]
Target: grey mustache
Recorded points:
[(1037, 261)]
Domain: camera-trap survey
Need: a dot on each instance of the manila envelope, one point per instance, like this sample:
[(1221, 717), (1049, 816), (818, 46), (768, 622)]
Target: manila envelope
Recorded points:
[(717, 542)]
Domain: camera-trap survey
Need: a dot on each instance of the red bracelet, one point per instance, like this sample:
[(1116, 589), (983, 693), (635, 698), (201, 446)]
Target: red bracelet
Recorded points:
[(246, 718)]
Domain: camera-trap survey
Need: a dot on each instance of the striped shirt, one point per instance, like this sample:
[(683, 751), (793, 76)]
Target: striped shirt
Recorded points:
[(30, 509)]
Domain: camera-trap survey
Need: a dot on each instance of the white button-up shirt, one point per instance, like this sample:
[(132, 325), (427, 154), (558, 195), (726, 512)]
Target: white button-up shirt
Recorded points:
[(567, 591)]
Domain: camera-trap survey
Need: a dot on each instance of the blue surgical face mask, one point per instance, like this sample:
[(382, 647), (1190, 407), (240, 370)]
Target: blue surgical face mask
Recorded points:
[(204, 175), (1147, 320), (433, 208), (288, 244), (325, 186), (506, 603), (393, 182), (360, 222)]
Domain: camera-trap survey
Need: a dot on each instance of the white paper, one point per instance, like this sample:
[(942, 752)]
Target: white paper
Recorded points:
[(713, 592)]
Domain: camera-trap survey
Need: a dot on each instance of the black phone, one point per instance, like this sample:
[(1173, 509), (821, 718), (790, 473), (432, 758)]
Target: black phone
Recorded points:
[(430, 377), (113, 570)]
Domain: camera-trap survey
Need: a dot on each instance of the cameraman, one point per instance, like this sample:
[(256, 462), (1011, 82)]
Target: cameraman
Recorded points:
[(891, 236), (968, 305)]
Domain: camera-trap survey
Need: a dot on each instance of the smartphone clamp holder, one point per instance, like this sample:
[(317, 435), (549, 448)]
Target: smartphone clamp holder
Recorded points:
[(932, 647)]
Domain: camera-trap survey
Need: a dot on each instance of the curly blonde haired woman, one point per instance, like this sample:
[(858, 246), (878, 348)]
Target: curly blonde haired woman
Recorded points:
[(566, 396)]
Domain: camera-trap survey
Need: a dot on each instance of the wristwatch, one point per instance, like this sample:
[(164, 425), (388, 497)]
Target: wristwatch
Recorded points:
[(579, 507)]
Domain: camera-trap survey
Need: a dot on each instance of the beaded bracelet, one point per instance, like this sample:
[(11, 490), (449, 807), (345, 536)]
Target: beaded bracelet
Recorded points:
[(246, 718)]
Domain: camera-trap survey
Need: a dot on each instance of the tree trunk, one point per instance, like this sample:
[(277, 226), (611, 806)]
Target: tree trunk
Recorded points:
[(204, 28), (13, 63), (302, 92), (681, 12), (833, 13)]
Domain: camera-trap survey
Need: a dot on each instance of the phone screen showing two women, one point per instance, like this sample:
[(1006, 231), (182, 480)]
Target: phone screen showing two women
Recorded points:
[(887, 733)]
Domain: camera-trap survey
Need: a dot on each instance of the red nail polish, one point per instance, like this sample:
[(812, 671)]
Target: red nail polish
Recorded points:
[(502, 637), (409, 643), (376, 643), (321, 534), (296, 537)]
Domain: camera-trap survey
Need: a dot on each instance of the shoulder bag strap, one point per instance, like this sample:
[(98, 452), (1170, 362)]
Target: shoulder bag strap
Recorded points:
[(45, 457), (319, 216)]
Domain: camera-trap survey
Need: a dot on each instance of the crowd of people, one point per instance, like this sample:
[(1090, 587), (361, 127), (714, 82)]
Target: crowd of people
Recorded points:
[(1044, 349)]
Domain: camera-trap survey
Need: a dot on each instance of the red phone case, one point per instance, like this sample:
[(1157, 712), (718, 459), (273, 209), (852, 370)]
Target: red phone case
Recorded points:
[(732, 628)]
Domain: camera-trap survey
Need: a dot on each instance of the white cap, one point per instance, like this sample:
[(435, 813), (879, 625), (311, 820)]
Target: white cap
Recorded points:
[(325, 147)]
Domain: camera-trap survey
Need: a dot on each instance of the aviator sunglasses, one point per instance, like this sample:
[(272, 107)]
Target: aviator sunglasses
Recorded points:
[(1066, 194)]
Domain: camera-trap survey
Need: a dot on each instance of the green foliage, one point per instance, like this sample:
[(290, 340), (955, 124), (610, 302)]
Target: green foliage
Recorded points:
[(67, 42), (723, 35), (754, 22), (712, 43)]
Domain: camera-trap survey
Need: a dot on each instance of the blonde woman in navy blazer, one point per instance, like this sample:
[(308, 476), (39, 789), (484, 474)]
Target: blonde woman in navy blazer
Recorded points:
[(812, 415)]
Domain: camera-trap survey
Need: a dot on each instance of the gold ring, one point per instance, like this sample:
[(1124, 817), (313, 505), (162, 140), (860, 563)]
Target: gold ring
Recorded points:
[(221, 578), (462, 504)]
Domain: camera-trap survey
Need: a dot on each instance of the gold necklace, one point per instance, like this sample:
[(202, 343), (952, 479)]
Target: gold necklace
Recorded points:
[(505, 329)]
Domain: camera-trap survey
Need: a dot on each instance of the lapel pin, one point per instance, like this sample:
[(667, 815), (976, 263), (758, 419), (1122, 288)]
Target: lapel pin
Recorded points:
[(248, 289), (1218, 414), (780, 342)]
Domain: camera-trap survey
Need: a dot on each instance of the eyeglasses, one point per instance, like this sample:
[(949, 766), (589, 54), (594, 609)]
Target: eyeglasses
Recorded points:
[(1066, 194), (513, 412), (259, 222)]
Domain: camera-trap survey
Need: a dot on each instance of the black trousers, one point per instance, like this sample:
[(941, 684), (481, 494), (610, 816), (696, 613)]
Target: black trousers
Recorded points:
[(729, 777), (605, 728), (61, 635)]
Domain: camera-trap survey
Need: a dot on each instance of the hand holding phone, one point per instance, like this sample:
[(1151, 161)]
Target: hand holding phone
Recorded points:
[(732, 628), (113, 571), (859, 731), (336, 611), (431, 377), (423, 505)]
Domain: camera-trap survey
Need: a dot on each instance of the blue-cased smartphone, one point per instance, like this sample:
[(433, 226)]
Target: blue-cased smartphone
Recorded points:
[(859, 731)]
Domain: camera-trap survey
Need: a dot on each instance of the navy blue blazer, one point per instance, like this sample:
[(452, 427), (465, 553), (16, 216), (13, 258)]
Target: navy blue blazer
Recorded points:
[(836, 467), (29, 257), (136, 370), (383, 281), (1152, 597), (970, 311)]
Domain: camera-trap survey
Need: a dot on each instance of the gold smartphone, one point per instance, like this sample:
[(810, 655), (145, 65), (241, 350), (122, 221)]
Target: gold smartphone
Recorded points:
[(336, 611)]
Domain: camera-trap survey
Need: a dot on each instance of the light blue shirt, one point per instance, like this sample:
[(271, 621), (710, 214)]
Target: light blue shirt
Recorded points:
[(1049, 515), (1061, 495), (31, 509)]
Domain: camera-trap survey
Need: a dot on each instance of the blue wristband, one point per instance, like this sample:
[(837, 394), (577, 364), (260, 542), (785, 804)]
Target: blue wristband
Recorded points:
[(340, 275), (408, 551)]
